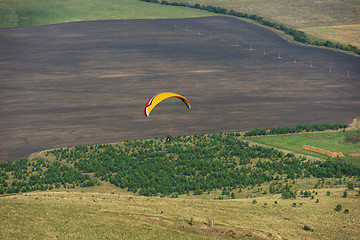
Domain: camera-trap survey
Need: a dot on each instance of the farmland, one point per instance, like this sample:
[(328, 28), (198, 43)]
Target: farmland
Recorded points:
[(318, 210), (77, 85), (87, 82), (328, 20), (20, 13), (340, 33)]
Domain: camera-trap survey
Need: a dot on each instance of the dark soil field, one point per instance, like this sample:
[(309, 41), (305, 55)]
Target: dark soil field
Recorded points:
[(87, 82)]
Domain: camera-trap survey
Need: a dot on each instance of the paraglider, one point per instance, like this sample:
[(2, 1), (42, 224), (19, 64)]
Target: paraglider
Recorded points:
[(156, 99)]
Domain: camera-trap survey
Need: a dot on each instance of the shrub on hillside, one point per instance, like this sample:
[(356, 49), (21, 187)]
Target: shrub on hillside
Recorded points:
[(338, 208), (307, 228)]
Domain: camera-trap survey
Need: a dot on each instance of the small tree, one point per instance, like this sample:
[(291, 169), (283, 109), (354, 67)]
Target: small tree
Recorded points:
[(345, 194), (307, 228), (191, 221), (338, 208), (350, 185)]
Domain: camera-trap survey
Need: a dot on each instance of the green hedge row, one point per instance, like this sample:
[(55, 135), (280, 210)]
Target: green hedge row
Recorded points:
[(299, 128)]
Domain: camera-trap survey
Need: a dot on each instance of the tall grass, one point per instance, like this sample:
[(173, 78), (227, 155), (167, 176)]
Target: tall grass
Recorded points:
[(107, 213)]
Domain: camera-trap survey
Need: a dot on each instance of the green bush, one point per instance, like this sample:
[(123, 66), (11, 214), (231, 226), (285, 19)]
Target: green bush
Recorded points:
[(338, 208), (307, 228)]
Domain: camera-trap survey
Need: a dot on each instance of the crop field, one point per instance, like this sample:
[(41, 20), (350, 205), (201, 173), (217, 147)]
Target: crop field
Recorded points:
[(87, 82), (342, 33), (309, 16)]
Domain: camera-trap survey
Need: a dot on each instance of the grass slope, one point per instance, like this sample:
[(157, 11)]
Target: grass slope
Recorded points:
[(104, 212), (15, 13), (107, 212)]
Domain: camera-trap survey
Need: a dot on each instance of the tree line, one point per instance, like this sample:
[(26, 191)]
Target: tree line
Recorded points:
[(26, 175), (298, 129), (297, 35)]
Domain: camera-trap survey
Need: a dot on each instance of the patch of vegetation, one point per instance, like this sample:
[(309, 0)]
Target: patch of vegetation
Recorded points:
[(197, 164), (8, 16), (298, 129), (338, 208), (307, 228), (353, 137), (25, 175)]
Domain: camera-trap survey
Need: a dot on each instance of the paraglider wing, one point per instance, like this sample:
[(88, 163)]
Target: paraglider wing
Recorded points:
[(156, 99)]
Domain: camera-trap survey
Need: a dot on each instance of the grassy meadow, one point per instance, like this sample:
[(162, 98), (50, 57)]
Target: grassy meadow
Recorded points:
[(330, 141), (17, 13), (106, 212)]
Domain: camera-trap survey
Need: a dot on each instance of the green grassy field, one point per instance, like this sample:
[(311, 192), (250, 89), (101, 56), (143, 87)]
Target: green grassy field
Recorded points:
[(330, 141), (15, 13), (106, 212)]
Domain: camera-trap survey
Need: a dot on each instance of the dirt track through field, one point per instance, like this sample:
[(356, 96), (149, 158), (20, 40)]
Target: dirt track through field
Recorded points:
[(87, 82)]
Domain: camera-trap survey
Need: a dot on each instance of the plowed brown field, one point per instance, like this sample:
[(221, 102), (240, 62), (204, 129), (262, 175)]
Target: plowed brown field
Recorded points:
[(87, 82)]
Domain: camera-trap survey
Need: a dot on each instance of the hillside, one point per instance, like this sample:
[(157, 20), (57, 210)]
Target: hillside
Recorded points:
[(278, 196), (195, 186), (106, 212)]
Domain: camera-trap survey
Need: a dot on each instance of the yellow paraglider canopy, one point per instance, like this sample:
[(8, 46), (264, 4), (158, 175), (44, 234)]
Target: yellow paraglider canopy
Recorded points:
[(156, 99)]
